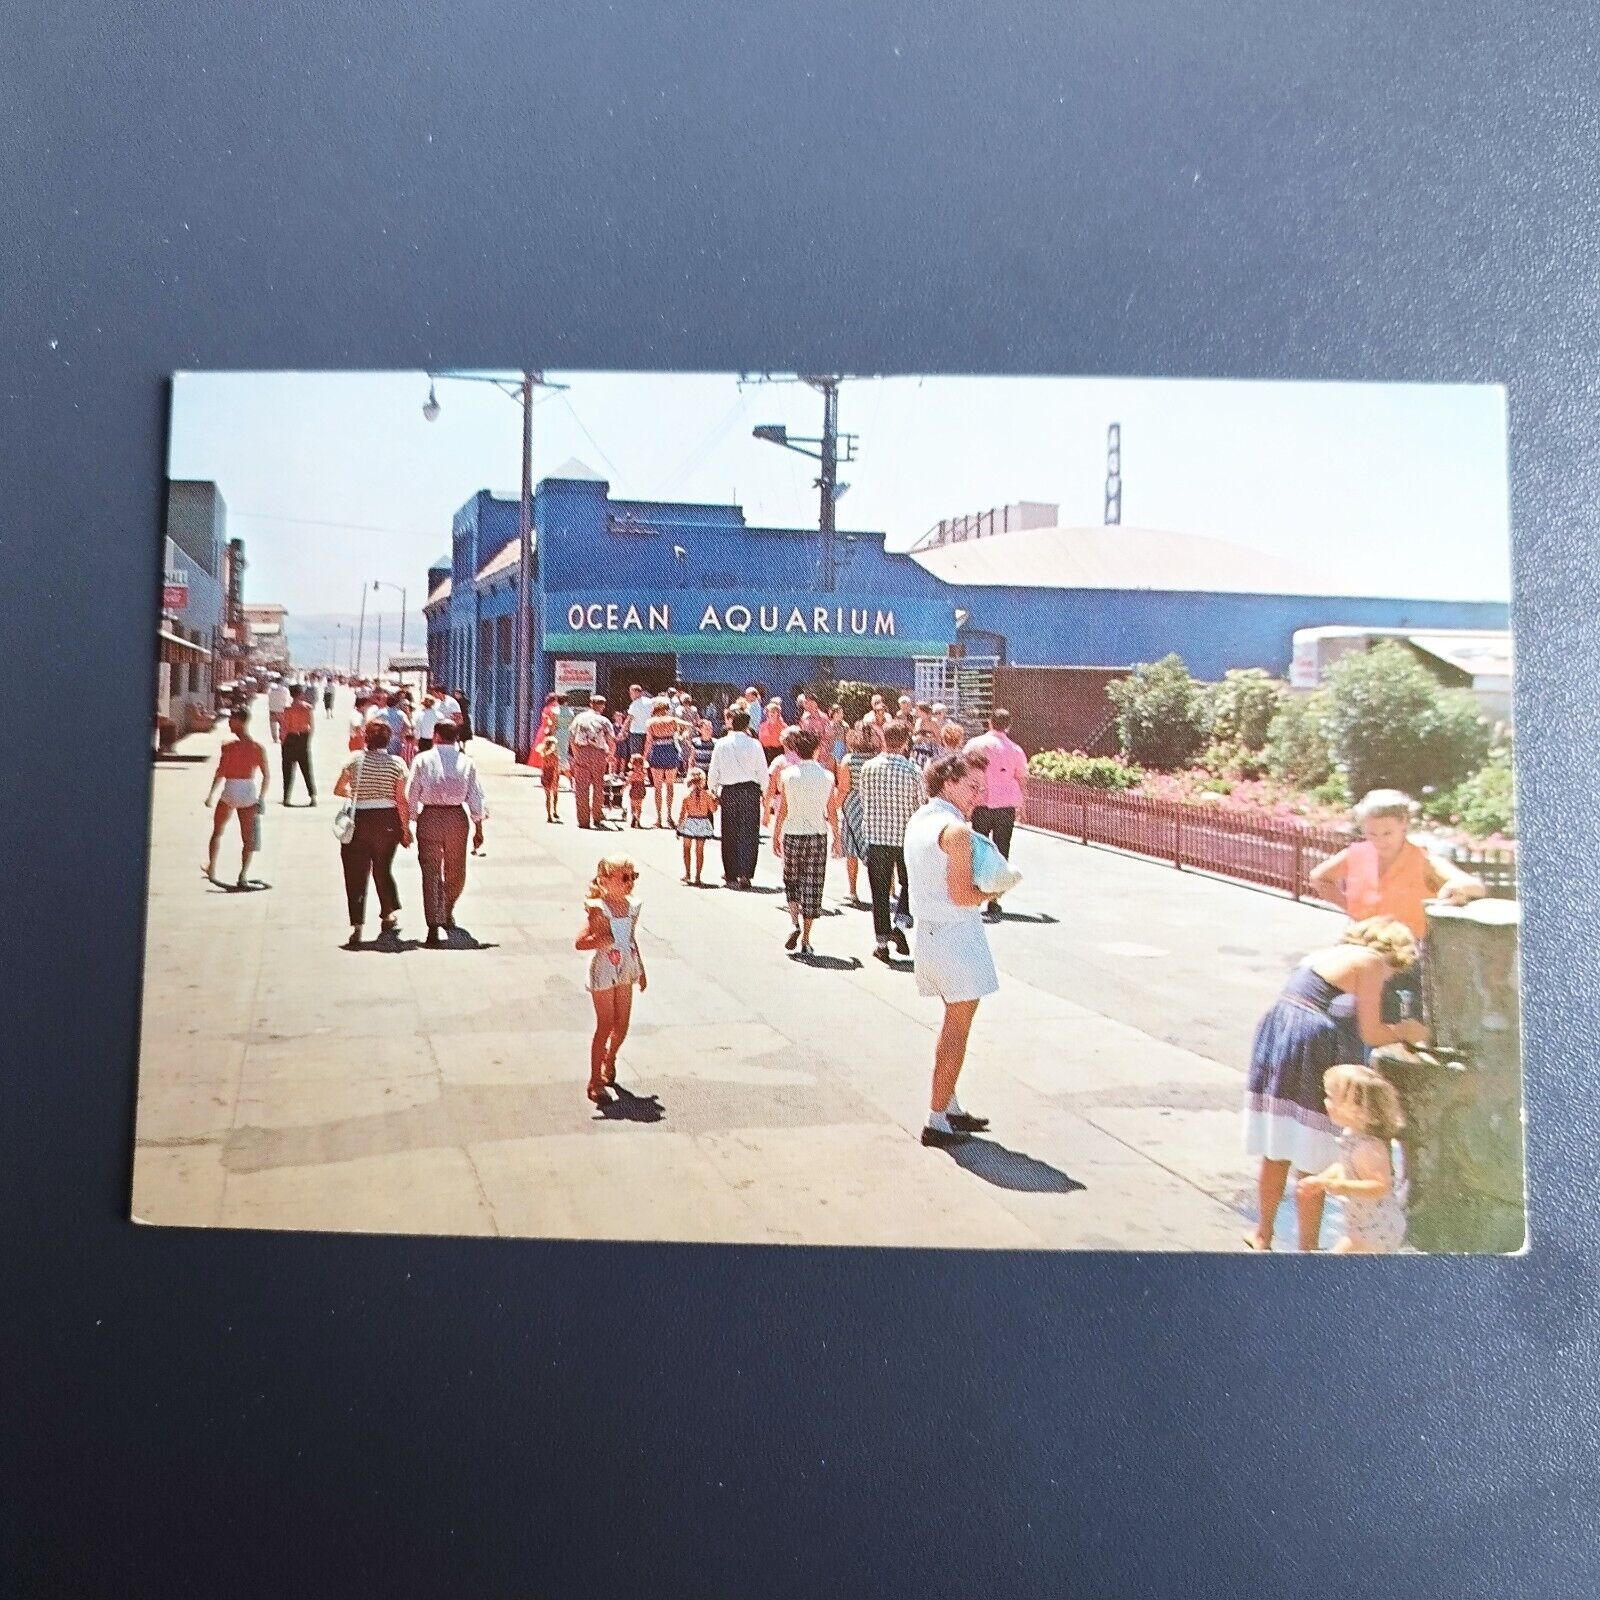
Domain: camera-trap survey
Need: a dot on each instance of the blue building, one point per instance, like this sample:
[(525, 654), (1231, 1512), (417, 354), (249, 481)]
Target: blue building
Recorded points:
[(189, 635), (656, 593)]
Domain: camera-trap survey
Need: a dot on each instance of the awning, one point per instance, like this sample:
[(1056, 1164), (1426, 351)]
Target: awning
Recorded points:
[(183, 644)]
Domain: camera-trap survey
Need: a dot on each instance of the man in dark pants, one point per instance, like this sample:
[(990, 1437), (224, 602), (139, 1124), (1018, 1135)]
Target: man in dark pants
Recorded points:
[(296, 724), (891, 791), (1005, 789), (736, 776)]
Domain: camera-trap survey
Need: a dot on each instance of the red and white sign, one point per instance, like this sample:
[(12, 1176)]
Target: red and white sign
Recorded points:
[(575, 677), (175, 597)]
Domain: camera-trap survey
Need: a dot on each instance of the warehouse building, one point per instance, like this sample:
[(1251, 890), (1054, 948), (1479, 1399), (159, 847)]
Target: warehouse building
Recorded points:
[(656, 592)]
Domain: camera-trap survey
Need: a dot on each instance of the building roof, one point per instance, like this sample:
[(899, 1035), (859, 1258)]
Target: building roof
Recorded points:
[(1138, 558), (507, 556), (1484, 654), (440, 593)]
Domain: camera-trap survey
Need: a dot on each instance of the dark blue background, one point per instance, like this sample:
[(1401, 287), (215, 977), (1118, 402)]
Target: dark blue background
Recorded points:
[(1288, 189)]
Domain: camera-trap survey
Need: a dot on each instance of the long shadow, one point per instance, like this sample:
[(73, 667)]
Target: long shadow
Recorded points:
[(383, 945), (831, 963), (630, 1107), (1039, 917), (249, 886), (462, 939), (1011, 1169)]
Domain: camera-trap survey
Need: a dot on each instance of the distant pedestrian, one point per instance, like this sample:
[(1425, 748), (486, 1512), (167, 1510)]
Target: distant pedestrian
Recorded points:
[(238, 764), (694, 822), (425, 721), (860, 747), (549, 720), (807, 818), (952, 956), (296, 725), (638, 779), (877, 715), (838, 728), (639, 710), (277, 702), (327, 697), (663, 756), (550, 777), (770, 733), (815, 721), (1286, 1120), (443, 793), (737, 772), (786, 758), (611, 930), (892, 792), (1005, 788), (377, 781), (952, 736), (591, 743), (458, 709)]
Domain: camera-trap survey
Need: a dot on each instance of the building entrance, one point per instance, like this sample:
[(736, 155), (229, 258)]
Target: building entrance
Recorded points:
[(654, 674)]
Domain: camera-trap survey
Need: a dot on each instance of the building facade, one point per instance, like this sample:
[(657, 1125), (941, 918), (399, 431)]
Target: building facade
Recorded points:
[(652, 592), (191, 630)]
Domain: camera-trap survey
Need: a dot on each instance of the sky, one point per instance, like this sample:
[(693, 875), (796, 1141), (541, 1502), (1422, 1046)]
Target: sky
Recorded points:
[(335, 480)]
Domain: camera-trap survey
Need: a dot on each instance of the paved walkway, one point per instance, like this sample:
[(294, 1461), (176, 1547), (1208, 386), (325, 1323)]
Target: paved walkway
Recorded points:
[(288, 1083)]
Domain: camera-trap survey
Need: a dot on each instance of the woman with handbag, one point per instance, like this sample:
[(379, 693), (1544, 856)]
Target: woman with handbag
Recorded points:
[(374, 822)]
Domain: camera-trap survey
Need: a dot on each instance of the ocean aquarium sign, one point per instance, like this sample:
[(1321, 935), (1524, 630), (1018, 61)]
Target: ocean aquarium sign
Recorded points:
[(758, 624)]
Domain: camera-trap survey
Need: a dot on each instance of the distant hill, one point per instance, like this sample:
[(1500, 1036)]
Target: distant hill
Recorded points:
[(311, 638)]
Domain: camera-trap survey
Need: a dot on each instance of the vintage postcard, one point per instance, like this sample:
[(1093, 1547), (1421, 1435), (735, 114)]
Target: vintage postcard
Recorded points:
[(768, 808)]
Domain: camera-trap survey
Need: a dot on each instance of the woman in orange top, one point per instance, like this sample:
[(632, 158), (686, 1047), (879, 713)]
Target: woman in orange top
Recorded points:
[(1385, 875), (241, 759)]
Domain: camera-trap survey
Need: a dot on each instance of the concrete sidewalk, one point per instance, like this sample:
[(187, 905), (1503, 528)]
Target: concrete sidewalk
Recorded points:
[(288, 1083)]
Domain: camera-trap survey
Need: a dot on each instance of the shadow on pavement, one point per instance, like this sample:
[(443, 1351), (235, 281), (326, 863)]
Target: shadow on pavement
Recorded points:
[(1041, 917), (1011, 1169), (461, 939), (386, 944), (630, 1107), (831, 963)]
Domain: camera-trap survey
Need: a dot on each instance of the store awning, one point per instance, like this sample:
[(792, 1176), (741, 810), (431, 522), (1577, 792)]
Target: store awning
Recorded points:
[(168, 637)]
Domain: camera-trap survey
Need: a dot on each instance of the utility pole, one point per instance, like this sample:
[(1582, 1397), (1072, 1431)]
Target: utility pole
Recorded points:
[(361, 631), (1114, 474), (830, 449)]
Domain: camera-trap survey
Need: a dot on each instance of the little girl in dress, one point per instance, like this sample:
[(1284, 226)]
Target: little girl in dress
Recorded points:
[(694, 822), (1366, 1109), (550, 778), (638, 787), (611, 930)]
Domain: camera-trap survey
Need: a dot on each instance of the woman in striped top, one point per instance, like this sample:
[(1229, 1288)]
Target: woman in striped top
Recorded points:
[(383, 824)]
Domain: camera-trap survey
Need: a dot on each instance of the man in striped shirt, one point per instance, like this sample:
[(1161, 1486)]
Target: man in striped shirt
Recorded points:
[(891, 791)]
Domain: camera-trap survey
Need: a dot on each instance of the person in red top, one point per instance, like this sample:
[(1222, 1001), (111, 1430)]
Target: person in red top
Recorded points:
[(296, 725), (771, 731), (241, 759)]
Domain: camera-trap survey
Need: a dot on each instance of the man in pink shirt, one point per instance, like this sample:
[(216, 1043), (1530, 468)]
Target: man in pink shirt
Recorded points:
[(1005, 789)]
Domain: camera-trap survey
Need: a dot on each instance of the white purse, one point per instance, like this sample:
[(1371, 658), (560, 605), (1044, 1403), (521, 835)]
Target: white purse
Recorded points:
[(344, 819)]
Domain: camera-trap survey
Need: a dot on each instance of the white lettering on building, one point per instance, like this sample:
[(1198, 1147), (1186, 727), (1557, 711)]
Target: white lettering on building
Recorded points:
[(883, 623)]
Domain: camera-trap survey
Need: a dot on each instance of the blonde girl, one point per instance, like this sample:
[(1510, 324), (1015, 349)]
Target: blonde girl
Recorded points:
[(1366, 1110), (638, 784), (550, 776), (611, 930), (694, 822)]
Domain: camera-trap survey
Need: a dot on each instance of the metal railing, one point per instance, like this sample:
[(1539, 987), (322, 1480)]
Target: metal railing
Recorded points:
[(1261, 850)]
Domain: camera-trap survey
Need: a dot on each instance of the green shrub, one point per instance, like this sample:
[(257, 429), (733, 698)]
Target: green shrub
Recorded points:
[(1481, 805), (1095, 772), (1161, 713), (1333, 791), (1296, 750), (1239, 710), (1233, 761), (856, 698), (1389, 724)]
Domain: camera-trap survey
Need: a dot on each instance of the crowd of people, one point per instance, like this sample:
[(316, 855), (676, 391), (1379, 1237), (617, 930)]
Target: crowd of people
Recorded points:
[(408, 778), (930, 811)]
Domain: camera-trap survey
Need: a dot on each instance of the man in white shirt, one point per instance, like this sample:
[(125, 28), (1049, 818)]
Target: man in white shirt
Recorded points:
[(449, 707), (591, 744), (425, 721), (737, 774), (277, 703), (443, 791), (639, 708)]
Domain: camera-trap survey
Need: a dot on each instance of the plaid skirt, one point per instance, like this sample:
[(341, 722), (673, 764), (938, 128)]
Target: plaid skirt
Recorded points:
[(805, 867)]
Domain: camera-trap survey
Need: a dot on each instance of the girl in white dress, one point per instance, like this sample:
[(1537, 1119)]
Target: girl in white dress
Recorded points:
[(951, 950), (611, 930)]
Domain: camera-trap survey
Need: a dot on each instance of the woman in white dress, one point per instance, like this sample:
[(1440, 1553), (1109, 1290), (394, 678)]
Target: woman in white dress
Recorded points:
[(951, 950)]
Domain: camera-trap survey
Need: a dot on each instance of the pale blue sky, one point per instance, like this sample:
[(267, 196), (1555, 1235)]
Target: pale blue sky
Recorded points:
[(1403, 484)]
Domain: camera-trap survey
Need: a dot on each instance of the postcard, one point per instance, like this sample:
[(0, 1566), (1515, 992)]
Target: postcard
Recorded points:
[(821, 808)]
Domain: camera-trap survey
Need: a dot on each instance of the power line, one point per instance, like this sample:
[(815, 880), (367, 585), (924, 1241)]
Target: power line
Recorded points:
[(316, 522), (615, 471)]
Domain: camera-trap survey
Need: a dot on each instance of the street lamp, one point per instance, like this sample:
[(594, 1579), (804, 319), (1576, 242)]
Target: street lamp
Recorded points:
[(383, 583), (520, 390)]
